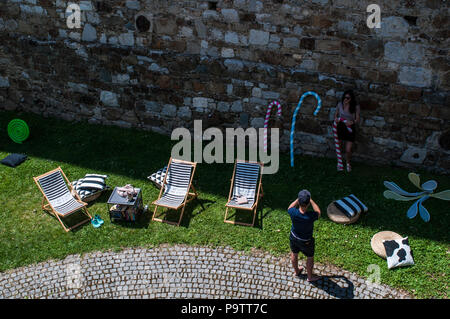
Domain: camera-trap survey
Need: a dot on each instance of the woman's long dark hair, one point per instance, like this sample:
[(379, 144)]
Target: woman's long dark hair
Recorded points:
[(352, 100)]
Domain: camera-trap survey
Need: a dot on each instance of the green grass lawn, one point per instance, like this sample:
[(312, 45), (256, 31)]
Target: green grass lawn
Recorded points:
[(29, 235)]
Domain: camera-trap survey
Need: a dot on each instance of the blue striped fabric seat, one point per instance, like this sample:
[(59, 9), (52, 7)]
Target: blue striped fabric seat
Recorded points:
[(58, 194), (350, 206), (176, 186), (245, 184)]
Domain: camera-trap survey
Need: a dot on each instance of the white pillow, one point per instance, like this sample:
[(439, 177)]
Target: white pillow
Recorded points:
[(92, 182), (398, 253)]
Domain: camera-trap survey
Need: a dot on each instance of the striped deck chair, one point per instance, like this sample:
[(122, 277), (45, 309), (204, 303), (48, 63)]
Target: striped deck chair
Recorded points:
[(175, 191), (246, 182), (60, 201)]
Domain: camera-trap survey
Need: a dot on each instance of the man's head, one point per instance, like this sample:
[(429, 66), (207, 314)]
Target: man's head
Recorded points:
[(304, 197)]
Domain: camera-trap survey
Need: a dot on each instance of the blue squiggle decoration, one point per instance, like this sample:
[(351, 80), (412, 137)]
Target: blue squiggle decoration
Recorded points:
[(319, 105)]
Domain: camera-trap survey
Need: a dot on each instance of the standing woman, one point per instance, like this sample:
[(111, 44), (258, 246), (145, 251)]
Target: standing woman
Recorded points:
[(347, 110)]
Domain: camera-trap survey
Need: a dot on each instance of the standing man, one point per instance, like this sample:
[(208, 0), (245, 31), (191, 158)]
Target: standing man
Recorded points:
[(301, 237)]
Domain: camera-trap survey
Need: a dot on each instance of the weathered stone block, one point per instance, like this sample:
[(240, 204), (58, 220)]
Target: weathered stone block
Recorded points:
[(243, 120), (121, 79), (86, 6), (33, 10), (411, 53), (414, 155), (151, 107), (234, 65), (346, 26), (126, 39), (257, 122), (255, 6), (186, 32), (270, 95), (231, 37), (200, 28), (169, 110), (374, 48), (200, 102), (227, 53), (216, 34), (210, 15), (328, 45), (321, 21), (256, 92), (109, 98), (230, 15), (415, 76), (393, 27), (184, 113), (258, 37), (237, 106), (4, 82), (291, 43), (77, 87), (223, 107), (89, 33), (133, 5), (166, 26)]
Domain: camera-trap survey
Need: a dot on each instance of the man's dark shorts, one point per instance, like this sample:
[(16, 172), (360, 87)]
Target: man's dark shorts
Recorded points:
[(306, 247)]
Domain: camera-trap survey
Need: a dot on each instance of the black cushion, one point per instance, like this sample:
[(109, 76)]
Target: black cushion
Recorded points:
[(13, 160)]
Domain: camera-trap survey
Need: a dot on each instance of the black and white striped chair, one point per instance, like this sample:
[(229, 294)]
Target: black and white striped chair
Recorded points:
[(175, 191), (60, 200), (350, 206), (246, 183)]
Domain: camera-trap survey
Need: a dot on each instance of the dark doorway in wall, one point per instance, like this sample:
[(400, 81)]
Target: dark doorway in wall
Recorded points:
[(411, 20), (212, 5), (142, 24), (102, 6), (444, 141)]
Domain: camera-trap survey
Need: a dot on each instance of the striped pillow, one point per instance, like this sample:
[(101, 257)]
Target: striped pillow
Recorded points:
[(83, 193), (350, 206), (92, 182)]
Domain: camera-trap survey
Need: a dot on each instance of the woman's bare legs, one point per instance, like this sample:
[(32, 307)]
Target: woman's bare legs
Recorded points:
[(348, 154)]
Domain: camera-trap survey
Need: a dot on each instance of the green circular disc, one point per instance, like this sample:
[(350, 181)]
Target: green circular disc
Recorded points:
[(18, 130)]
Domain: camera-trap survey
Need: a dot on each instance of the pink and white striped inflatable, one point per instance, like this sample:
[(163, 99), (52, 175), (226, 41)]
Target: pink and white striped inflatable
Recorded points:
[(266, 121), (337, 142)]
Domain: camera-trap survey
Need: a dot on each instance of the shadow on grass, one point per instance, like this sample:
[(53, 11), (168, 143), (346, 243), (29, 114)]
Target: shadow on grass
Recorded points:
[(69, 221), (246, 216), (136, 154), (172, 215)]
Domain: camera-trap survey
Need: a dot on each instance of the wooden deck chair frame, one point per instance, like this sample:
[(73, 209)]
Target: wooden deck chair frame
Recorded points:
[(258, 196), (188, 197), (49, 207)]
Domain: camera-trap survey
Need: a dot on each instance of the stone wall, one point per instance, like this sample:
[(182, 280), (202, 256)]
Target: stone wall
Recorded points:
[(159, 65)]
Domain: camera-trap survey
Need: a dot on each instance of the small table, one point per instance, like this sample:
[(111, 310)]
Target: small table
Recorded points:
[(121, 209)]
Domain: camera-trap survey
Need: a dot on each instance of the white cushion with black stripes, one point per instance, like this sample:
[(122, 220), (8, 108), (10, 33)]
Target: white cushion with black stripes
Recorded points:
[(89, 185), (350, 206), (158, 176), (83, 193), (93, 181)]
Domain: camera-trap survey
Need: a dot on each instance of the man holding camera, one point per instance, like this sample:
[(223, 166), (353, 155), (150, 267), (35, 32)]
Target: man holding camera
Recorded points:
[(301, 236)]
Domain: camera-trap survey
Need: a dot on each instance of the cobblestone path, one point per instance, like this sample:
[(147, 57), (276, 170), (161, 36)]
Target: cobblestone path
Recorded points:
[(182, 272)]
